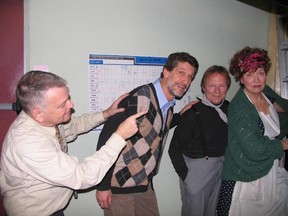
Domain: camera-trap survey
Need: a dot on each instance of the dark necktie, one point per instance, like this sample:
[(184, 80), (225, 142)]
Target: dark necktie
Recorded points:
[(60, 140), (64, 149)]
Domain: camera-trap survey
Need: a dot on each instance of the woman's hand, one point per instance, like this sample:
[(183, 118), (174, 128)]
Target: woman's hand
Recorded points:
[(285, 144)]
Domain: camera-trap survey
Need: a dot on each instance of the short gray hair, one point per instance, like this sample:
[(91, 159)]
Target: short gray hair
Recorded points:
[(32, 87)]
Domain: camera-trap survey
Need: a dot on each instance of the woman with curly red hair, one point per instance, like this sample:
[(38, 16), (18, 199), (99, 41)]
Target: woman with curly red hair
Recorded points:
[(253, 183)]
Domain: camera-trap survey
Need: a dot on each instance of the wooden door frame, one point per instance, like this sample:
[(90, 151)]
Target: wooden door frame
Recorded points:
[(12, 61)]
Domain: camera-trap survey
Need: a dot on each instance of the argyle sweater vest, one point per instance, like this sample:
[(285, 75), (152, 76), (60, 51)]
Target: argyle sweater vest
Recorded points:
[(139, 160)]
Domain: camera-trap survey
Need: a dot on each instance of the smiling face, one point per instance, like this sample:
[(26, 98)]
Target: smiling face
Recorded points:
[(177, 81), (254, 81), (56, 108), (215, 88)]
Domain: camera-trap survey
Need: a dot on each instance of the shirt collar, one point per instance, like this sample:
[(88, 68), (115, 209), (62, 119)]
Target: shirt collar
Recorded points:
[(163, 102), (48, 130)]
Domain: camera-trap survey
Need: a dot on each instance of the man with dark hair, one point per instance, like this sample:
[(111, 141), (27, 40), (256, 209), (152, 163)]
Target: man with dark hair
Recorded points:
[(127, 188)]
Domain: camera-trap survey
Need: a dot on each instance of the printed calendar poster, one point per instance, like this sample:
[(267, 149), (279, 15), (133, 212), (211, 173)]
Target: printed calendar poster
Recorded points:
[(110, 76)]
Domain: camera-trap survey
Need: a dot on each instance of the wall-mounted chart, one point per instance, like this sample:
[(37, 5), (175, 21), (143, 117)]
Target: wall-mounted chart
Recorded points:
[(113, 75)]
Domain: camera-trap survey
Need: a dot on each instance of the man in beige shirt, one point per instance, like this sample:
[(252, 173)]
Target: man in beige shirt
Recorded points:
[(38, 177)]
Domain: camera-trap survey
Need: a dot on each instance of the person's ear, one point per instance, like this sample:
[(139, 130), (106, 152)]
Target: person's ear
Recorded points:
[(202, 88), (37, 115), (165, 73)]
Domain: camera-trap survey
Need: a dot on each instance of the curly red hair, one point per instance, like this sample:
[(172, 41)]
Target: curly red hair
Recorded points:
[(249, 59)]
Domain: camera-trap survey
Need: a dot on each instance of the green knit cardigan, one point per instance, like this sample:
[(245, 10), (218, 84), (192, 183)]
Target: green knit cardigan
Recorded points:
[(249, 154)]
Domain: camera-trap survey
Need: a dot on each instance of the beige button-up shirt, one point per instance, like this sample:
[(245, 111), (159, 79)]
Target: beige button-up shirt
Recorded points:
[(36, 177)]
